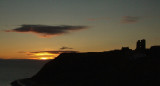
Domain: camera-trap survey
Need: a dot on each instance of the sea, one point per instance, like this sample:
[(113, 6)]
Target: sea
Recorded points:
[(14, 69)]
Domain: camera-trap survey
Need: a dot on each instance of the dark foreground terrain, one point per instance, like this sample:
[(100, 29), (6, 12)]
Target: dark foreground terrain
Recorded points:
[(114, 68)]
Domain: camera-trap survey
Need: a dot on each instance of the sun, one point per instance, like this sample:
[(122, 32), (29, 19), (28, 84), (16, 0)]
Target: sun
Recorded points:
[(43, 54), (45, 58)]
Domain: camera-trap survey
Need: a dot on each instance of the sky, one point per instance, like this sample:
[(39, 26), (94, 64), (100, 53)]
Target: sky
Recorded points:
[(31, 29)]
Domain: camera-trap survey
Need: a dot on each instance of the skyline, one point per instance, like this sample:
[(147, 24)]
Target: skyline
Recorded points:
[(98, 25)]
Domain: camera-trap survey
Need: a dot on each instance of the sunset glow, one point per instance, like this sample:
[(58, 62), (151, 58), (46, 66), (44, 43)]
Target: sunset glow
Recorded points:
[(42, 58), (82, 26), (45, 58), (43, 54)]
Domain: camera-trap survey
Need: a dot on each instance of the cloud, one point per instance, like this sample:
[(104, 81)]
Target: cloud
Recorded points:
[(130, 19), (50, 52), (46, 31), (55, 52), (63, 48)]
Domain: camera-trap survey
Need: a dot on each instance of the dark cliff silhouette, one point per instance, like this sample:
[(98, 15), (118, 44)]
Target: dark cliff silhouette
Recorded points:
[(125, 67)]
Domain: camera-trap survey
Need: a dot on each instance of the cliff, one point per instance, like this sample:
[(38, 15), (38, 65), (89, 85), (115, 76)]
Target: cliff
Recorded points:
[(113, 68)]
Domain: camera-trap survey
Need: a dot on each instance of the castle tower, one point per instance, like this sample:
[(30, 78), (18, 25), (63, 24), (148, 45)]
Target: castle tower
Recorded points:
[(138, 45), (141, 45)]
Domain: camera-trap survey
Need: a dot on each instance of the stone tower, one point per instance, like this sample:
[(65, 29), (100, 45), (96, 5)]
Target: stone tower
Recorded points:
[(141, 45)]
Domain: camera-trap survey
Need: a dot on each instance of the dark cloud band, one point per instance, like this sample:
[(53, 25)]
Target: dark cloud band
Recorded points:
[(64, 47), (47, 31), (53, 52)]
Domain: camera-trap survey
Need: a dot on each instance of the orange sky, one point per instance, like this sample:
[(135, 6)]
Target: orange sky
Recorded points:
[(49, 25)]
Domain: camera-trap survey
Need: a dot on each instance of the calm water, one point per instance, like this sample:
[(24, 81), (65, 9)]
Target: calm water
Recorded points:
[(11, 70)]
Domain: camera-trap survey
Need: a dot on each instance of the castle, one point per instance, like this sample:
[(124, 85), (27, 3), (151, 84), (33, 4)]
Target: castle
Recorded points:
[(141, 50), (140, 47)]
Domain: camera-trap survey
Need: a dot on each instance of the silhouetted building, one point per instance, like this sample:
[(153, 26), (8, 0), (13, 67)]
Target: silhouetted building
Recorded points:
[(140, 50), (141, 45), (125, 49)]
